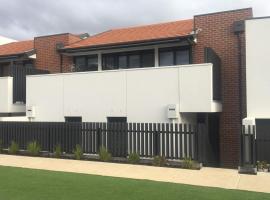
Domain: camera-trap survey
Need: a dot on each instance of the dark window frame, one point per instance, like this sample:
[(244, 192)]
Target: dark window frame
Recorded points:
[(85, 57), (116, 56), (174, 50), (112, 119), (71, 119)]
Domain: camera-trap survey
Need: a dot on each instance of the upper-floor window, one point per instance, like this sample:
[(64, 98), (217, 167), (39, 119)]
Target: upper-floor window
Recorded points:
[(125, 60), (86, 63), (174, 56)]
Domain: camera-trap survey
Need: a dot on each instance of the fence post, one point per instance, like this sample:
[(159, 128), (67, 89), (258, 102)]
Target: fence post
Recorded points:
[(247, 153), (254, 146), (99, 142), (196, 143), (156, 143)]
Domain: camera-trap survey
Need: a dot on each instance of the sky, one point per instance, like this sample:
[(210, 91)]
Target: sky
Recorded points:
[(25, 19)]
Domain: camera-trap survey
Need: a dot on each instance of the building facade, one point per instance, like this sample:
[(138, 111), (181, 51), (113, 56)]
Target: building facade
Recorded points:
[(188, 71)]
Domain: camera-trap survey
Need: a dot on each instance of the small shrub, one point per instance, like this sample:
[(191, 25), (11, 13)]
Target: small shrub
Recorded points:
[(104, 155), (57, 151), (33, 148), (262, 165), (187, 163), (259, 165), (14, 148), (78, 152), (159, 161), (134, 158)]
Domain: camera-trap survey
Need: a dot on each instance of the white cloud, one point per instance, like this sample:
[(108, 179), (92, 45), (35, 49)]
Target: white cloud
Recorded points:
[(26, 19)]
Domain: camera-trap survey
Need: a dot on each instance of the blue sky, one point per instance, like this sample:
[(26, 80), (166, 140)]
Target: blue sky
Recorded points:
[(24, 19)]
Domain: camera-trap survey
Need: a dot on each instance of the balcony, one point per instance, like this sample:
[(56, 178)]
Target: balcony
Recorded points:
[(13, 89), (6, 97), (141, 94)]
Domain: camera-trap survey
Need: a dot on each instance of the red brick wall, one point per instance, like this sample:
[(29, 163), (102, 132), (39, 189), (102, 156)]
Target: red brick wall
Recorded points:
[(217, 33), (47, 56)]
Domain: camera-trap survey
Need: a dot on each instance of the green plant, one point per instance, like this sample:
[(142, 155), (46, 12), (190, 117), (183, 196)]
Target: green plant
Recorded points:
[(134, 158), (187, 163), (78, 152), (104, 155), (58, 151), (14, 148), (33, 148), (159, 161), (262, 165), (259, 165)]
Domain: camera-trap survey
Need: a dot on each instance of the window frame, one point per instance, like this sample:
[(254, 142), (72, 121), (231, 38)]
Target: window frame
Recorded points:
[(73, 119), (174, 50), (85, 57), (116, 56)]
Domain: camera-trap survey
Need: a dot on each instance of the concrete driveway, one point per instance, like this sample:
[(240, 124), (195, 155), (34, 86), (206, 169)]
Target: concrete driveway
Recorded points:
[(212, 177)]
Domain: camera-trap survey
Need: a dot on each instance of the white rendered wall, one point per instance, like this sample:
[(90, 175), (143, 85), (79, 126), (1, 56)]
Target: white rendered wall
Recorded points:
[(17, 119), (141, 95), (258, 68), (6, 97)]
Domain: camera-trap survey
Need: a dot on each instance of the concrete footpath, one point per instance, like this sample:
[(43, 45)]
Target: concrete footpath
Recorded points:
[(212, 177)]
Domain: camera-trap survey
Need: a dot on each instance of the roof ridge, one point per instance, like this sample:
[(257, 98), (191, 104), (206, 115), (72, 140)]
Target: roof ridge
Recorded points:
[(89, 37), (149, 25)]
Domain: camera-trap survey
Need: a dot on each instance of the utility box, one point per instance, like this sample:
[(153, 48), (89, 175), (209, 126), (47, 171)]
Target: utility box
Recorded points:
[(31, 111), (173, 111)]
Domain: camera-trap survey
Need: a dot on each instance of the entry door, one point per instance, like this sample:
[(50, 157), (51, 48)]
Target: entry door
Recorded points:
[(210, 139)]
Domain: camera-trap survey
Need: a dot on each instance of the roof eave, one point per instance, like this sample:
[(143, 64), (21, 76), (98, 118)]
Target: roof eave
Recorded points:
[(12, 57), (189, 38)]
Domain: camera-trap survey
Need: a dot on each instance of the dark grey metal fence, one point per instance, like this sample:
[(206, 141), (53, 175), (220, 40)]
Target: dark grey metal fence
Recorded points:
[(255, 143), (175, 141)]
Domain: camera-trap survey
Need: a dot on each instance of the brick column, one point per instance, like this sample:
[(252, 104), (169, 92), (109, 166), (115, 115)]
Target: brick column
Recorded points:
[(217, 33)]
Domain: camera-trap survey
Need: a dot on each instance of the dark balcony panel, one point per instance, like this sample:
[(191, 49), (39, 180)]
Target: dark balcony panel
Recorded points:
[(210, 56), (19, 73)]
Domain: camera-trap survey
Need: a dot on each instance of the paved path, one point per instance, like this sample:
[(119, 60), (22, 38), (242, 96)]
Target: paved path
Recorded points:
[(213, 177)]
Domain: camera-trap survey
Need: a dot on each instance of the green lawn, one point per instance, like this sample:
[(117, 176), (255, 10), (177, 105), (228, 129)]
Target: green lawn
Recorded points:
[(26, 184)]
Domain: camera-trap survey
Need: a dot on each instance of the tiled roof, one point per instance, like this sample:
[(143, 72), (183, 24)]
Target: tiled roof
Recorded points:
[(138, 34), (15, 48)]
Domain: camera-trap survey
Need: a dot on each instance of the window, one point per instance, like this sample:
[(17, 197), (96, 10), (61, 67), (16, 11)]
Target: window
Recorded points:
[(182, 57), (128, 60), (86, 63), (73, 119), (92, 63), (109, 62), (79, 63), (166, 58), (174, 56), (122, 61), (148, 59), (116, 119), (134, 61)]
